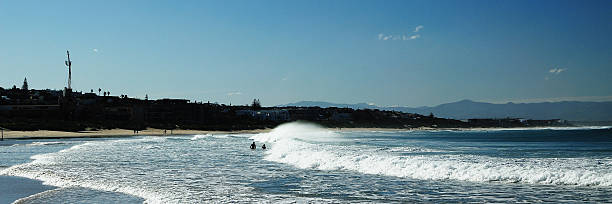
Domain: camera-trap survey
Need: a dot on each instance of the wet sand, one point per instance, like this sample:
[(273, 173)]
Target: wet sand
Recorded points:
[(14, 188)]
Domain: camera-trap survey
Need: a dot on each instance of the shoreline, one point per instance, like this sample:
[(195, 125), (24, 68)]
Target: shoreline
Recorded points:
[(49, 134), (21, 187), (110, 133)]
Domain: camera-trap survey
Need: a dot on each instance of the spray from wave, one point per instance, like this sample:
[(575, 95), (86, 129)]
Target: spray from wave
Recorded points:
[(306, 145)]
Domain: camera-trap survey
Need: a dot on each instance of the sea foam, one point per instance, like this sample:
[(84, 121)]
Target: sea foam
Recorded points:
[(303, 146), (40, 168)]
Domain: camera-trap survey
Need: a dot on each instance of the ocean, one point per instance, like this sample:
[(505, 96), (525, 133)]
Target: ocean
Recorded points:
[(308, 164)]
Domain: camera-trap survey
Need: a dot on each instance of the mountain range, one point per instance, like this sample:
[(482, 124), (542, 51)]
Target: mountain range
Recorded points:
[(466, 109)]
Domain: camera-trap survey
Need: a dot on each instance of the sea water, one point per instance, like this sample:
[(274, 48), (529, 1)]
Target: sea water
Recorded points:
[(305, 163)]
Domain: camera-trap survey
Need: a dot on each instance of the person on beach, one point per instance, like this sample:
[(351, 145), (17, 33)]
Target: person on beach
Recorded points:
[(263, 146), (253, 146)]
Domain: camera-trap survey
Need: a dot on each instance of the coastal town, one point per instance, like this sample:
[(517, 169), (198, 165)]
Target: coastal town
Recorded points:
[(67, 110)]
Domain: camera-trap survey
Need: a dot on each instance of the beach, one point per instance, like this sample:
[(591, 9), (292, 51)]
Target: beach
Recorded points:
[(20, 187), (49, 134), (306, 163)]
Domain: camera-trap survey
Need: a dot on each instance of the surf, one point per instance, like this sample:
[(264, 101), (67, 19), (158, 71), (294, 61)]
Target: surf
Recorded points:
[(308, 146)]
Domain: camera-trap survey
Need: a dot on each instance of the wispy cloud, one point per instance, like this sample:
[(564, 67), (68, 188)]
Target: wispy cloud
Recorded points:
[(418, 28), (403, 37), (234, 93), (95, 50), (556, 70), (384, 37)]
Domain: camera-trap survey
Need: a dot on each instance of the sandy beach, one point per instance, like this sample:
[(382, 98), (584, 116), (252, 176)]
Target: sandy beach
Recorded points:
[(47, 134)]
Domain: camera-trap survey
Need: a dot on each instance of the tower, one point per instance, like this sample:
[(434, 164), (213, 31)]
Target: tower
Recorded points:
[(69, 64)]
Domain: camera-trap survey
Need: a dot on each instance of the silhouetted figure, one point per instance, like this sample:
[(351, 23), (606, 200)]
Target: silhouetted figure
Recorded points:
[(263, 146), (253, 146)]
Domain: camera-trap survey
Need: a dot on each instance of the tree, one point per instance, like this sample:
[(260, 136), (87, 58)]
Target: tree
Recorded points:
[(99, 89), (256, 104), (25, 84)]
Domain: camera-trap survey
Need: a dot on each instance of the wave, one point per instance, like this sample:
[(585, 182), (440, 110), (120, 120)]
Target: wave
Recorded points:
[(293, 144), (198, 137), (38, 144), (539, 128), (41, 168)]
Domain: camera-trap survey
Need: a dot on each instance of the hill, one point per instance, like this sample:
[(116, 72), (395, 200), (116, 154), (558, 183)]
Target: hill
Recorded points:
[(465, 109)]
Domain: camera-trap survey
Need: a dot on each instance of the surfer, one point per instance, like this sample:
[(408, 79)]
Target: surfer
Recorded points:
[(263, 146), (253, 145)]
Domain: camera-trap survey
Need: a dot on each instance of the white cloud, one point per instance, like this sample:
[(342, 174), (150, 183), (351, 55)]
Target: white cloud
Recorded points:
[(285, 78), (234, 93), (556, 70), (398, 37), (418, 28), (403, 37), (95, 50), (372, 104), (382, 36)]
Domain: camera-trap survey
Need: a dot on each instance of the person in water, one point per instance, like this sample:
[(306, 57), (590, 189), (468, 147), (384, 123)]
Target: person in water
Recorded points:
[(253, 146), (263, 146)]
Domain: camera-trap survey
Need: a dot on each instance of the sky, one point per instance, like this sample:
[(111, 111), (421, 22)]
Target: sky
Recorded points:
[(389, 53)]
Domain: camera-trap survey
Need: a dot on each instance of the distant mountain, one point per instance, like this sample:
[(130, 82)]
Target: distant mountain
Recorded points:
[(327, 105), (465, 109)]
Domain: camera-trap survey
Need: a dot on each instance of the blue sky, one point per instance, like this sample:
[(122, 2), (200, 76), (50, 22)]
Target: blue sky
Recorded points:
[(408, 53)]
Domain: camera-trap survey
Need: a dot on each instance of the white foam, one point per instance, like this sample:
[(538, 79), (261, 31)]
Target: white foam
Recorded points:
[(197, 137), (39, 169), (290, 144), (217, 136), (298, 131)]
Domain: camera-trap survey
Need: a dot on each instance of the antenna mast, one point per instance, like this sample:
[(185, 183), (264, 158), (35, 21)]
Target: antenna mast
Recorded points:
[(69, 64)]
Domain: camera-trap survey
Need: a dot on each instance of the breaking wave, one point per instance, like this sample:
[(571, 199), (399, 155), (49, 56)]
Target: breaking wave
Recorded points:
[(308, 146)]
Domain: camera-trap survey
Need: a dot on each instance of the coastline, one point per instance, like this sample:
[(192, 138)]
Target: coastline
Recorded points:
[(20, 187), (48, 134), (32, 189)]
